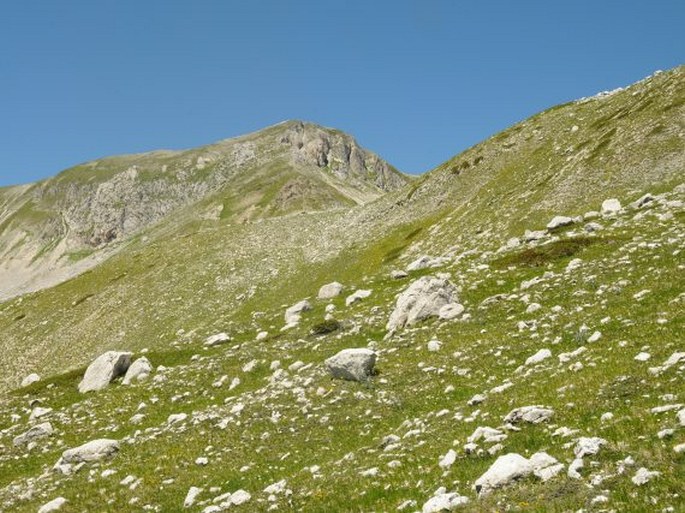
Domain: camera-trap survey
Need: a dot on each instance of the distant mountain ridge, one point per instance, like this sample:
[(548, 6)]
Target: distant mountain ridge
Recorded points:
[(53, 229)]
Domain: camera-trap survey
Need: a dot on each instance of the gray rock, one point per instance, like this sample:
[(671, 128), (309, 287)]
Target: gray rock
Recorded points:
[(424, 262), (30, 379), (398, 275), (644, 476), (38, 432), (354, 364), (559, 222), (104, 369), (422, 299), (357, 296), (532, 414), (138, 371), (330, 290), (293, 314), (94, 450)]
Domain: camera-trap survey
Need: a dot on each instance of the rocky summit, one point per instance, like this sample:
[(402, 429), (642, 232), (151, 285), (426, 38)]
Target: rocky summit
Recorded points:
[(285, 322)]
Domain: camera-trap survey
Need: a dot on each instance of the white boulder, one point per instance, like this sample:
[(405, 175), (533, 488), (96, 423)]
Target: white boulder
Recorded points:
[(423, 298), (104, 369), (611, 206), (330, 290), (450, 311), (505, 470), (355, 364), (138, 371)]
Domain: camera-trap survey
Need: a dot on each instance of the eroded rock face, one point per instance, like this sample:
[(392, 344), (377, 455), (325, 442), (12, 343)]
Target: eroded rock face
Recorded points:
[(354, 364), (422, 299), (104, 369)]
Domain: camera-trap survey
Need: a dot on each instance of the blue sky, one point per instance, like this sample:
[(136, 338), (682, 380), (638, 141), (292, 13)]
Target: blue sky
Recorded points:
[(415, 81)]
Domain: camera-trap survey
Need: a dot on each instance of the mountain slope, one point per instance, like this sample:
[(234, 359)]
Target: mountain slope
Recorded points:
[(601, 297), (55, 229)]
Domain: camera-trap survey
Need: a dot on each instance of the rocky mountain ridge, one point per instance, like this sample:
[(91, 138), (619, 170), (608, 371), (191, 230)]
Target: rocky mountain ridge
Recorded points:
[(87, 212)]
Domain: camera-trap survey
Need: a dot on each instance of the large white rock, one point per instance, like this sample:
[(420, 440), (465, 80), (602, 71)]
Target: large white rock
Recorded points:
[(192, 494), (330, 290), (504, 471), (423, 298), (91, 451), (355, 364), (53, 505), (104, 369), (138, 371), (532, 414), (30, 379), (38, 432), (611, 206), (293, 314)]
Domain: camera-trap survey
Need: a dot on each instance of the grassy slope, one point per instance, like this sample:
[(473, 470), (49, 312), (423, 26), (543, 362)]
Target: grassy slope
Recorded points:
[(190, 278)]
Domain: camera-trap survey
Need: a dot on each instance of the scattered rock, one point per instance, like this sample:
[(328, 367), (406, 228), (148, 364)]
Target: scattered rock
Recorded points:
[(357, 296), (191, 496), (217, 340), (443, 501), (53, 505), (30, 380), (38, 432), (611, 206), (538, 357), (355, 364), (644, 476), (531, 414), (588, 446), (104, 369), (293, 314), (506, 469), (450, 311), (558, 222)]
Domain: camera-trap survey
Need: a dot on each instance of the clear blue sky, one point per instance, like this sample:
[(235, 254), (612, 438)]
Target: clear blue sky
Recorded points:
[(415, 81)]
